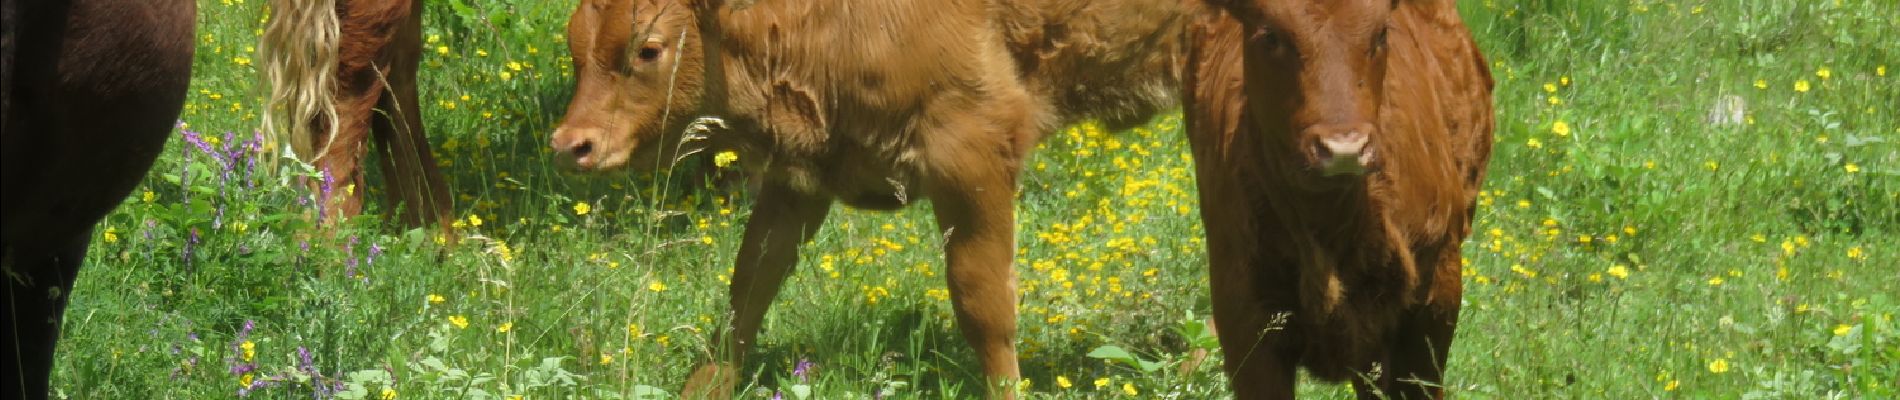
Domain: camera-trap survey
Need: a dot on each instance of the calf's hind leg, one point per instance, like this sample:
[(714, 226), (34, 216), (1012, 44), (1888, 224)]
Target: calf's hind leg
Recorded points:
[(782, 219)]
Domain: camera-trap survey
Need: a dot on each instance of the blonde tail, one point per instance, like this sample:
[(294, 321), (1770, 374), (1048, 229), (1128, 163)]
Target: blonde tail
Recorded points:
[(299, 49)]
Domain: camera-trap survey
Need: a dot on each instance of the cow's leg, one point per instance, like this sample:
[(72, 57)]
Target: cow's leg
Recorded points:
[(1423, 339), (975, 210), (1255, 339), (1253, 298), (39, 281), (782, 219), (410, 174)]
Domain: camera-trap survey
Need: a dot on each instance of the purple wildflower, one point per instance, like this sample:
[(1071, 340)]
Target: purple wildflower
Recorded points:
[(375, 249), (803, 370)]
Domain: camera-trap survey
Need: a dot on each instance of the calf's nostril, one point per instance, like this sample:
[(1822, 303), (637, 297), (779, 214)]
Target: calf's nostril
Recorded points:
[(583, 149)]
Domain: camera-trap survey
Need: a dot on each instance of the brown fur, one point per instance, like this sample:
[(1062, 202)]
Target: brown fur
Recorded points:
[(378, 50), (873, 104), (92, 91), (1362, 266)]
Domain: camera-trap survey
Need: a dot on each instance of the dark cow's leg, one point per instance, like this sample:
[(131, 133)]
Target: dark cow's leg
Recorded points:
[(782, 219), (1424, 335), (39, 282), (1257, 346), (411, 177)]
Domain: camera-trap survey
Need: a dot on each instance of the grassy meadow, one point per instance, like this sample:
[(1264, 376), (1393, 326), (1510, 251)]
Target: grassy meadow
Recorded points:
[(1688, 199)]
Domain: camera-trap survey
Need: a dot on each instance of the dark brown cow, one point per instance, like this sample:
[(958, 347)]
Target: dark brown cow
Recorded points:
[(1339, 148), (341, 73), (92, 90), (872, 104)]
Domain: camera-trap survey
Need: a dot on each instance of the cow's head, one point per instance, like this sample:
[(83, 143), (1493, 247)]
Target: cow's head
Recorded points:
[(1315, 76), (638, 74)]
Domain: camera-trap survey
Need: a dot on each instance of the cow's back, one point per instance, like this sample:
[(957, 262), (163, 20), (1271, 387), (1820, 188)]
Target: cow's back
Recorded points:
[(1119, 61)]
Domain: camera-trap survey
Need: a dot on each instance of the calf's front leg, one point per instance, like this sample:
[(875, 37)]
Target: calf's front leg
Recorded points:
[(977, 219), (782, 219)]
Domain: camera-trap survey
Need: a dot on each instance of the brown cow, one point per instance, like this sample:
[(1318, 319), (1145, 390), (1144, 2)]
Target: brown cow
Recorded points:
[(871, 104), (343, 72), (1339, 148), (92, 90)]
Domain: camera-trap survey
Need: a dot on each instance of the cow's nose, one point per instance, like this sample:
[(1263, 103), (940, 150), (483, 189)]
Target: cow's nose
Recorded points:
[(573, 148), (1342, 149)]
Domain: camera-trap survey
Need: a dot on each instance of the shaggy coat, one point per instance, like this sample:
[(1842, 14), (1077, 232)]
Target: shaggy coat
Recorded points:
[(872, 104), (92, 88), (1339, 148)]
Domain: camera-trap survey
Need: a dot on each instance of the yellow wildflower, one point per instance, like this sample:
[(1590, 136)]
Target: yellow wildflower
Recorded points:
[(1101, 382), (581, 208), (112, 235), (1129, 388), (1824, 73), (1801, 86), (505, 327), (1851, 168), (1761, 83), (1715, 281), (1855, 253), (1619, 271), (389, 394), (725, 158), (1843, 329), (250, 350), (1672, 385), (1720, 365), (1063, 382), (436, 299), (1560, 128), (458, 321), (657, 286), (606, 358), (474, 220)]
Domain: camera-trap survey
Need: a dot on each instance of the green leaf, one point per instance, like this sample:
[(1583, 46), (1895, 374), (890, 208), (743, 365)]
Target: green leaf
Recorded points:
[(643, 392)]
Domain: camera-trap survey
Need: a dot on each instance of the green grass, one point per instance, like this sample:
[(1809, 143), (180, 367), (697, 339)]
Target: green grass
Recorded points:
[(1641, 250)]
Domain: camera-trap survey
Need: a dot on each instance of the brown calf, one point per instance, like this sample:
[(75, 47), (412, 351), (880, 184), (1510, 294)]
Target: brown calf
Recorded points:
[(343, 72), (1339, 148), (92, 90), (871, 104)]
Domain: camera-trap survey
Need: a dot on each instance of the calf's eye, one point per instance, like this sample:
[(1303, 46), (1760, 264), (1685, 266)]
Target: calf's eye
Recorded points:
[(650, 52)]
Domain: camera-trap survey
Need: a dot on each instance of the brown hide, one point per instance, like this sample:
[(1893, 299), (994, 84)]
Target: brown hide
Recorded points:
[(873, 104), (92, 91), (1339, 148)]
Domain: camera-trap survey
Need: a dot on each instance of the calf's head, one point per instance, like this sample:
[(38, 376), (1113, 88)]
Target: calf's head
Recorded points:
[(1315, 79), (638, 74)]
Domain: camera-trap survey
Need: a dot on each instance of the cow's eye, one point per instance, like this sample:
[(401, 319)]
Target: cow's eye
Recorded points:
[(1272, 41), (650, 52)]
